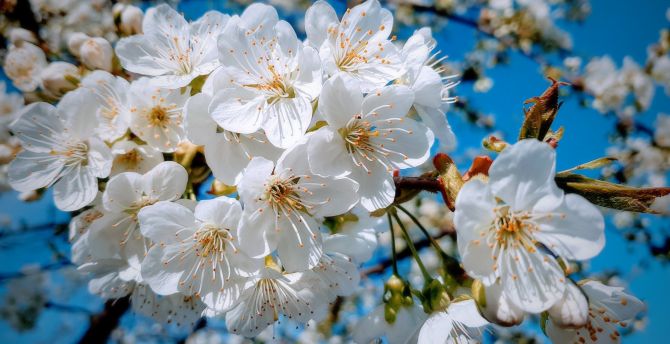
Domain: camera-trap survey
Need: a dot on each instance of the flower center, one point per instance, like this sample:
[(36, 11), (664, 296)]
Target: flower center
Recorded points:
[(73, 154), (211, 240), (510, 227), (158, 116), (131, 158), (276, 87), (282, 194), (357, 135)]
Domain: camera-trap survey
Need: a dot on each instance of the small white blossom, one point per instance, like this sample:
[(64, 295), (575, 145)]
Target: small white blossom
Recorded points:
[(60, 150), (358, 45), (367, 138), (170, 50), (500, 225)]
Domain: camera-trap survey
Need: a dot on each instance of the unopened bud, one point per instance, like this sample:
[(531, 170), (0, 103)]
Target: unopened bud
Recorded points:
[(97, 53), (59, 78), (75, 41), (131, 20), (435, 297), (19, 35)]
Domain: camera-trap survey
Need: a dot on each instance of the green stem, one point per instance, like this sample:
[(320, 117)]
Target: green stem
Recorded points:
[(423, 229), (393, 250), (415, 254)]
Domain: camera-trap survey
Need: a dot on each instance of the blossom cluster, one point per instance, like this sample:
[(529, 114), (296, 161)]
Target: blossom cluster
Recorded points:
[(307, 137)]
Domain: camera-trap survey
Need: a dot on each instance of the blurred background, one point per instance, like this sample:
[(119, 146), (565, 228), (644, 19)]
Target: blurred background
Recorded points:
[(613, 52)]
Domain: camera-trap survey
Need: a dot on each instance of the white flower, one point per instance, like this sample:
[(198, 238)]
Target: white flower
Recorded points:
[(501, 224), (23, 65), (116, 234), (59, 78), (281, 203), (111, 99), (602, 80), (227, 153), (131, 157), (609, 308), (10, 104), (404, 330), (96, 53), (459, 323), (170, 50), (268, 295), (273, 78), (424, 77), (639, 81), (156, 114), (367, 138), (196, 252), (59, 150), (358, 45)]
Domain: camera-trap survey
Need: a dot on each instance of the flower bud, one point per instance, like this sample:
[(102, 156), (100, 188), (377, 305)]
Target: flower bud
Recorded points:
[(75, 41), (130, 20), (19, 35), (59, 78), (435, 297), (97, 53)]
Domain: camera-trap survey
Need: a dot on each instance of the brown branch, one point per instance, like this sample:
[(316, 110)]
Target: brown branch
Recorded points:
[(103, 323)]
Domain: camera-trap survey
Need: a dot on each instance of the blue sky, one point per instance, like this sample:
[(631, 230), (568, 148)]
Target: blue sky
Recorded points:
[(616, 27)]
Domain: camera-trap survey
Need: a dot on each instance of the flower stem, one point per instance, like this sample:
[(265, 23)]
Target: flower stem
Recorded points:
[(410, 244), (423, 229), (393, 250)]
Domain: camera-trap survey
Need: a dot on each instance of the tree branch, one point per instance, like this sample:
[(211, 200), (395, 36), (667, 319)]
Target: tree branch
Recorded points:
[(103, 323)]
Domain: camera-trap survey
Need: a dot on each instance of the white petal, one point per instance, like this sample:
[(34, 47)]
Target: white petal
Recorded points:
[(436, 120), (31, 171), (162, 279), (299, 246), (377, 189), (200, 127), (524, 173), (256, 233), (287, 120), (122, 192), (75, 190), (222, 211), (533, 281), (436, 329), (252, 184), (78, 111), (318, 18), (388, 102), (327, 153), (238, 110), (341, 98), (575, 229), (166, 182), (572, 310), (33, 123), (162, 221)]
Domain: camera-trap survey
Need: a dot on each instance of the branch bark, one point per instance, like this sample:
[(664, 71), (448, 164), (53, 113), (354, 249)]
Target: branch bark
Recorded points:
[(103, 323)]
